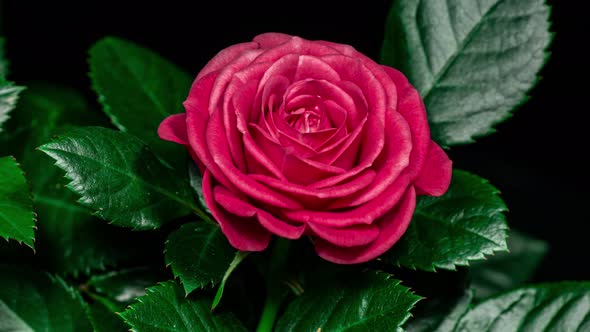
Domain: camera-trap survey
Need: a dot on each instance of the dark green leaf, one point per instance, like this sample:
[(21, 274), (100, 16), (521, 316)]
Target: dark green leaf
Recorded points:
[(104, 320), (439, 315), (166, 308), (199, 254), (70, 240), (8, 98), (122, 287), (112, 292), (35, 301), (138, 89), (551, 307), (351, 302), (17, 220), (508, 270), (240, 256), (120, 178), (472, 61), (465, 224)]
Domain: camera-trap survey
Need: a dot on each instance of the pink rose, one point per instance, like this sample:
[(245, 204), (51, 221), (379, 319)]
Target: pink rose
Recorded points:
[(296, 137)]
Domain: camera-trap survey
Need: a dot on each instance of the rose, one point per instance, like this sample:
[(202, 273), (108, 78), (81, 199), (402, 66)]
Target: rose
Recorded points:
[(296, 137)]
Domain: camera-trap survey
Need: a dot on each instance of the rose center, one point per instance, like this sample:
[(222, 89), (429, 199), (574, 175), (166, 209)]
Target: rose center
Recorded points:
[(306, 117)]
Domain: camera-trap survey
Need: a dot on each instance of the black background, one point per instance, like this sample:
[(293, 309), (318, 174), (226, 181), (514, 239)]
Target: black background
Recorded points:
[(539, 159)]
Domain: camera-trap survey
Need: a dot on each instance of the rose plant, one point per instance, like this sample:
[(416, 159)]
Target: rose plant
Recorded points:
[(315, 185), (301, 137)]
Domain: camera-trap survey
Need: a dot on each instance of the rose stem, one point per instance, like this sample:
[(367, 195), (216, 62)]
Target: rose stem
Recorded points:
[(273, 285)]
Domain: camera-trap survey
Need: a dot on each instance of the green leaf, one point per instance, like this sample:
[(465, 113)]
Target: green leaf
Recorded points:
[(104, 320), (17, 220), (120, 178), (8, 98), (35, 301), (138, 89), (550, 307), (122, 287), (463, 225), (350, 302), (198, 254), (70, 240), (113, 291), (473, 62), (439, 315), (508, 270), (166, 308), (240, 256)]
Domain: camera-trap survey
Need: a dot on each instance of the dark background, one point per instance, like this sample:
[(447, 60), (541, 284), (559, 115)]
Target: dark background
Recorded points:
[(538, 159)]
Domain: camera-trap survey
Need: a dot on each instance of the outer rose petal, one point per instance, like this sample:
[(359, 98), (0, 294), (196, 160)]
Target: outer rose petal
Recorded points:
[(411, 107), (244, 234), (173, 129), (224, 57), (392, 226), (271, 39), (436, 174)]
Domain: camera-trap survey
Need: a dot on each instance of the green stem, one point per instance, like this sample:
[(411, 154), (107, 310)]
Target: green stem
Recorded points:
[(273, 285)]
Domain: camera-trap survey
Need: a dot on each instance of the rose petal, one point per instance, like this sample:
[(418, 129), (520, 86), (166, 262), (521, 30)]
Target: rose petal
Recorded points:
[(305, 171), (394, 159), (359, 112), (197, 117), (355, 71), (376, 69), (295, 45), (271, 39), (279, 227), (373, 142), (264, 155), (392, 226), (436, 174), (224, 57), (232, 204), (304, 193), (217, 145), (218, 90), (244, 234), (411, 107), (240, 208), (352, 236), (367, 213), (173, 129)]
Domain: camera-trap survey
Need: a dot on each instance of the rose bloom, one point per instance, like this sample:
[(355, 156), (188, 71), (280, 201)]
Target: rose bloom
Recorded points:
[(296, 137)]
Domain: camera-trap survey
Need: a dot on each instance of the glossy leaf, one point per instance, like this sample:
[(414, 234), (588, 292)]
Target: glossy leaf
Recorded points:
[(551, 307), (104, 320), (70, 240), (121, 287), (463, 225), (8, 97), (120, 178), (198, 254), (35, 301), (508, 270), (17, 220), (166, 308), (439, 315), (352, 302), (473, 62), (138, 89)]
